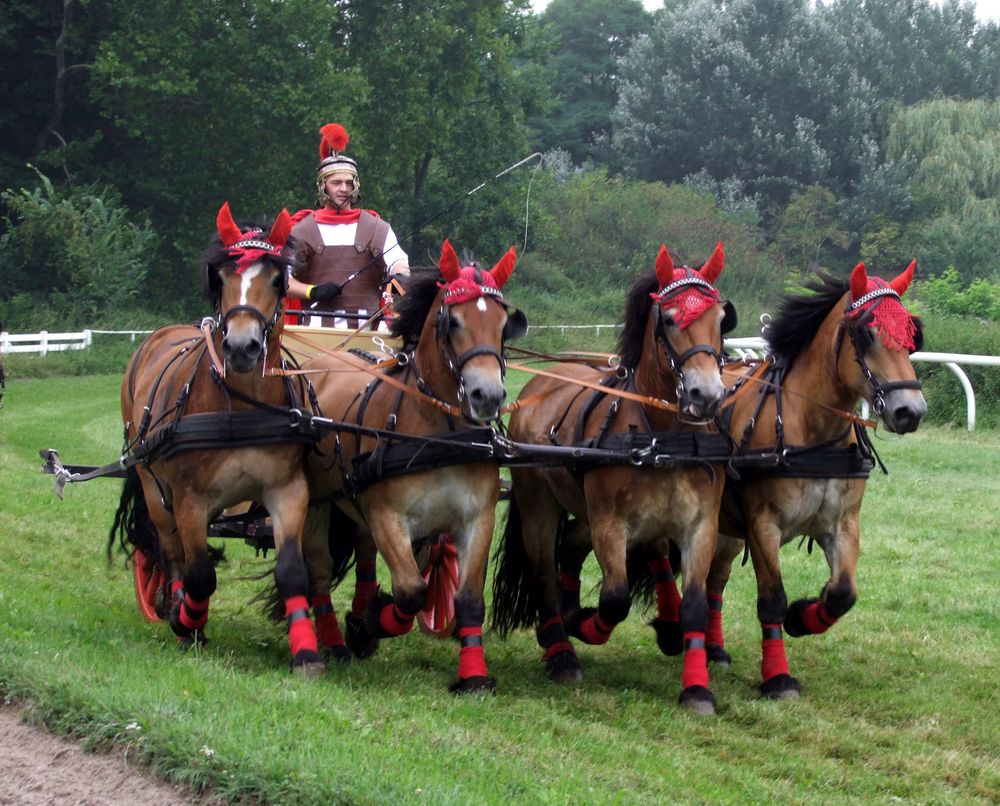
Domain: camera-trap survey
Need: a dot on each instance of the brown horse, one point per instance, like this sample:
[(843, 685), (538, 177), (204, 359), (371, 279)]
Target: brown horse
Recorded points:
[(669, 350), (212, 433), (398, 491), (802, 458)]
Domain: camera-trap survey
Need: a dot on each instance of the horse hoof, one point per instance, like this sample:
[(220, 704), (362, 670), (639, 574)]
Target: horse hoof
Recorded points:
[(480, 684), (717, 655), (564, 667), (795, 626), (361, 642), (308, 664), (669, 637), (781, 687), (336, 654), (698, 700)]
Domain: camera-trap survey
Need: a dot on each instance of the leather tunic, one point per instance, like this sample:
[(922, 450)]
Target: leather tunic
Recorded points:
[(334, 264)]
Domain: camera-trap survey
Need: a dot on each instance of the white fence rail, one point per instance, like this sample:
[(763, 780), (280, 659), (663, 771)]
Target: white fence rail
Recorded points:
[(752, 347)]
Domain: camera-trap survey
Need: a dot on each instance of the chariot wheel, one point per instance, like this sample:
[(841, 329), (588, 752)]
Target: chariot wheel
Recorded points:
[(148, 578), (441, 575)]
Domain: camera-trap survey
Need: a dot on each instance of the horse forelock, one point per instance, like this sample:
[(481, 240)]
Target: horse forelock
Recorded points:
[(800, 314), (637, 305)]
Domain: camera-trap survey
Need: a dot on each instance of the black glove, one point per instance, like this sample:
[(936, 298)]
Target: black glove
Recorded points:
[(324, 291)]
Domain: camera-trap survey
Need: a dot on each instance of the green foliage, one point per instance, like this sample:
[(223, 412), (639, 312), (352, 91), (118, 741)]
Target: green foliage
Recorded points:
[(945, 296), (73, 250), (588, 39), (808, 224)]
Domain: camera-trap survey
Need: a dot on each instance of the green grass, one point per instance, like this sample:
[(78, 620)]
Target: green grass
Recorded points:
[(900, 698)]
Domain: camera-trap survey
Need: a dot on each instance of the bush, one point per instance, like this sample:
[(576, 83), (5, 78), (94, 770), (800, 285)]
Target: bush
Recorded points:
[(72, 255)]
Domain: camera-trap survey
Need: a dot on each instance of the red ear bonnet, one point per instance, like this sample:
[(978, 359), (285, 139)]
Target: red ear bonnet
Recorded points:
[(229, 233), (280, 229), (902, 282), (859, 282), (664, 267), (449, 265), (714, 265), (505, 267)]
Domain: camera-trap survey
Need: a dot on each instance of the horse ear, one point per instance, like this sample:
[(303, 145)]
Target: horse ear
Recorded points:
[(714, 265), (229, 233), (448, 263), (902, 282), (505, 267), (859, 282), (664, 266), (280, 229)]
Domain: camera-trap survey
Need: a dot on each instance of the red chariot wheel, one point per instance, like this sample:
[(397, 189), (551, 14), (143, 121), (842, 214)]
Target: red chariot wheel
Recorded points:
[(148, 578), (441, 575)]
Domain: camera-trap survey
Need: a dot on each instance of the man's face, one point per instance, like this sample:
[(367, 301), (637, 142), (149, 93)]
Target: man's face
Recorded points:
[(338, 187)]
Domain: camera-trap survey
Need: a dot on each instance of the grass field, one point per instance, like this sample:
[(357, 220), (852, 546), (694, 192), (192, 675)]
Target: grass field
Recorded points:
[(900, 698)]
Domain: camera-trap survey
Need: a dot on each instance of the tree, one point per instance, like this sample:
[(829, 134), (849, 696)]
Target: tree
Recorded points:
[(759, 90), (588, 39)]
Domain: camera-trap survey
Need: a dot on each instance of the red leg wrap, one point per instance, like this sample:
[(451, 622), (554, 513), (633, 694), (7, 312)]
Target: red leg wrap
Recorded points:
[(816, 619), (714, 635), (365, 587), (327, 627), (471, 659), (301, 635), (695, 661), (594, 630), (772, 658), (194, 612), (394, 621)]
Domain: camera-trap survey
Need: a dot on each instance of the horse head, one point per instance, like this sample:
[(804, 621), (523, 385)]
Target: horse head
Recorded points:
[(471, 324), (247, 282), (883, 334), (688, 321)]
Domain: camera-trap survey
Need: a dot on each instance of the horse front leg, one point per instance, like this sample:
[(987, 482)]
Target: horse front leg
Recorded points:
[(470, 606), (726, 551), (776, 681), (815, 616), (320, 568), (610, 537), (697, 550), (392, 615), (287, 506), (191, 592)]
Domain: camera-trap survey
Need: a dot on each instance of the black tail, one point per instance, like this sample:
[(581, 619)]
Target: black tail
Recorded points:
[(514, 601), (133, 529)]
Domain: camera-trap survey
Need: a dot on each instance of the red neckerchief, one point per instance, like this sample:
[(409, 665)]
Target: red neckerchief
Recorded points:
[(326, 215)]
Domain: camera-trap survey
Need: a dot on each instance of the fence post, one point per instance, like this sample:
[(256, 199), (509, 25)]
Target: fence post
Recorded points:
[(88, 338), (44, 342)]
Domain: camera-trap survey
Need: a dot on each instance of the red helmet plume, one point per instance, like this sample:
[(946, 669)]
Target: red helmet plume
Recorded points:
[(333, 140)]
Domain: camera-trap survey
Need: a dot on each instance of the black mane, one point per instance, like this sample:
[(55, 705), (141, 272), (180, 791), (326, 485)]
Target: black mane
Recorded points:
[(801, 313), (413, 306), (637, 304)]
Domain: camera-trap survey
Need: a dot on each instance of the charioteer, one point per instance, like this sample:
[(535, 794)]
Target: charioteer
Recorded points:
[(347, 254)]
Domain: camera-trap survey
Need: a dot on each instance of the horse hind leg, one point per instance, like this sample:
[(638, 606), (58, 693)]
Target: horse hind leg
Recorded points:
[(360, 641), (321, 569), (727, 549)]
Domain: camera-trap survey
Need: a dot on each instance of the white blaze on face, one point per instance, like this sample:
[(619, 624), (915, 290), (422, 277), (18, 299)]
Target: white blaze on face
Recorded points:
[(246, 278), (481, 304)]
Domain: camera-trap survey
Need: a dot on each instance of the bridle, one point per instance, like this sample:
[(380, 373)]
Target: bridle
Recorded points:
[(864, 306)]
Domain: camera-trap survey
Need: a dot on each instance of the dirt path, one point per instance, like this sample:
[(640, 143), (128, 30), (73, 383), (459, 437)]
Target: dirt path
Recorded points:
[(39, 768)]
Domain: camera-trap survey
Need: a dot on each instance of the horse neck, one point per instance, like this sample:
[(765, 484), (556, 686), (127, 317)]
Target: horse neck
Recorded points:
[(815, 394)]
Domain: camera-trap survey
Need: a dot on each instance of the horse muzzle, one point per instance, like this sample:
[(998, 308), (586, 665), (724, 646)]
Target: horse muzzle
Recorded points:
[(701, 396), (242, 349), (484, 393), (903, 410)]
